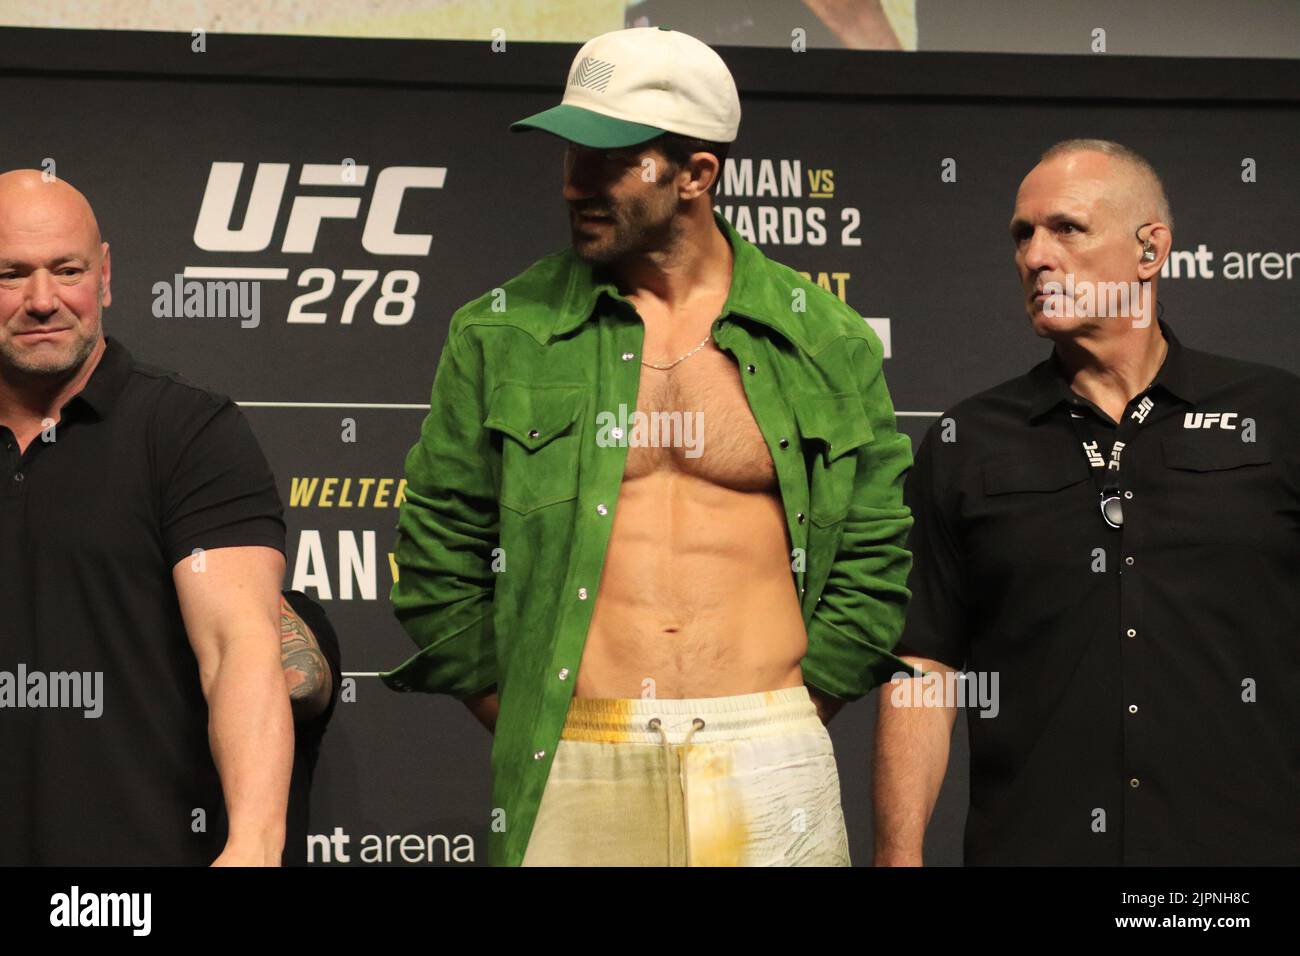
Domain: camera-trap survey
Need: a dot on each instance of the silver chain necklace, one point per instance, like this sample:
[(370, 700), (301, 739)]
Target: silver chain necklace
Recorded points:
[(664, 368)]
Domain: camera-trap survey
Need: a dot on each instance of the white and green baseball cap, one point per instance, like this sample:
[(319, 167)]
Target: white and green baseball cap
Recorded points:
[(629, 86)]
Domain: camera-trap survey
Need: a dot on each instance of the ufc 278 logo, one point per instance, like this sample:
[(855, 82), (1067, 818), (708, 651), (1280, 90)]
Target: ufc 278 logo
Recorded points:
[(337, 192)]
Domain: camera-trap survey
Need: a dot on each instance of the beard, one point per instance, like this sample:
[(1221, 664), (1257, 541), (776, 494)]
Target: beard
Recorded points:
[(636, 226), (49, 361)]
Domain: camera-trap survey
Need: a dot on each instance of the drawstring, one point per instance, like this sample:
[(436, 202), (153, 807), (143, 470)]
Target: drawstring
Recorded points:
[(657, 724), (696, 724)]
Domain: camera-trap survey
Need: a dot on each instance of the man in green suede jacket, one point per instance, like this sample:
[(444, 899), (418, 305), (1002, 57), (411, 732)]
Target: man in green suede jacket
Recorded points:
[(653, 533)]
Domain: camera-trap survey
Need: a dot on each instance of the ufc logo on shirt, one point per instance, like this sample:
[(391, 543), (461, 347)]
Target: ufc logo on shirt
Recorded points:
[(1116, 450), (1144, 407), (1209, 420)]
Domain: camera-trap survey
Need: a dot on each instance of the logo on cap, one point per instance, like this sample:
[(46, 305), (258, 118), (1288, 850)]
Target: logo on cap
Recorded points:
[(592, 74)]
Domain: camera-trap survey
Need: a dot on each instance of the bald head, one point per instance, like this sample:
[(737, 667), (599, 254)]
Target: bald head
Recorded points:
[(1134, 189), (54, 280), (28, 201)]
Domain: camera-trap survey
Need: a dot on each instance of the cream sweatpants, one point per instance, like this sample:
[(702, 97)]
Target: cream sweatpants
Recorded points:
[(724, 781)]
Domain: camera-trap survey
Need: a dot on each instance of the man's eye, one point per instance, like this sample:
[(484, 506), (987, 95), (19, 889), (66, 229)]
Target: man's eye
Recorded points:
[(1068, 226)]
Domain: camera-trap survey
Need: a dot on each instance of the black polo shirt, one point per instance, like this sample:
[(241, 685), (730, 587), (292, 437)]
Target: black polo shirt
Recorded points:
[(1149, 677), (144, 469)]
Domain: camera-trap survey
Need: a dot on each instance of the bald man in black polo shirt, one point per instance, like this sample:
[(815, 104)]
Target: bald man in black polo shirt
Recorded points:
[(1116, 537), (144, 717)]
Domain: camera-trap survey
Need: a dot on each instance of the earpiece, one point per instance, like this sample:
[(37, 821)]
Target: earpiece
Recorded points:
[(1148, 247)]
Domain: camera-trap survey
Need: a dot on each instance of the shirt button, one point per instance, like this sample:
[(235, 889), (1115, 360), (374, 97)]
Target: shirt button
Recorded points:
[(582, 594), (784, 443), (750, 369), (1132, 708), (539, 754), (533, 433), (1131, 632), (616, 432), (564, 673), (601, 509), (1129, 560), (1134, 783), (628, 356), (1128, 494), (799, 517), (18, 476)]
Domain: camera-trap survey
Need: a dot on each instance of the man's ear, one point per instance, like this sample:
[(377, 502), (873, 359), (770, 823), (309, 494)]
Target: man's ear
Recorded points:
[(704, 170), (1161, 242), (105, 274)]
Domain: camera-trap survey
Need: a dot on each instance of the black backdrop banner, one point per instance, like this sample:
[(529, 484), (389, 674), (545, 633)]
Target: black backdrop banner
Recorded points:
[(358, 191)]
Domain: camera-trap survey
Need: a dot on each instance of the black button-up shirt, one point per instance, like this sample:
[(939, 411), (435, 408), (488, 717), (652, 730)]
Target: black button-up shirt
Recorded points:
[(144, 468), (1149, 677)]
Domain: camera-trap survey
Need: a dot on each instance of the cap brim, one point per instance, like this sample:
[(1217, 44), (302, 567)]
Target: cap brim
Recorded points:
[(587, 128)]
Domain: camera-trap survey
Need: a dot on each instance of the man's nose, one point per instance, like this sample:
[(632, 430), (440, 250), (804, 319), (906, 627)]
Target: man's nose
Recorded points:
[(1039, 252), (579, 177), (576, 187), (573, 192), (42, 294)]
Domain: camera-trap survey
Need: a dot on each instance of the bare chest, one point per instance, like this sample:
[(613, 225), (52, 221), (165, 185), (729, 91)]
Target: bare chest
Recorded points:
[(695, 419)]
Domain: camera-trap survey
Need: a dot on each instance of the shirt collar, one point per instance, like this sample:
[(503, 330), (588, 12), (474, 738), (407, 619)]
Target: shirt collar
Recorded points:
[(753, 295), (1048, 387), (106, 382)]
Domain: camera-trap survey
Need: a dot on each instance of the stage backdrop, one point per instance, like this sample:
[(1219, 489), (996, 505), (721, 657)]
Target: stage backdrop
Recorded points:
[(372, 187)]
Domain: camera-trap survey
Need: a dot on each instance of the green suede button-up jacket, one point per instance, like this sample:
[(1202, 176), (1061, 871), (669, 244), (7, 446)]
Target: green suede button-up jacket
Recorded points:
[(510, 497)]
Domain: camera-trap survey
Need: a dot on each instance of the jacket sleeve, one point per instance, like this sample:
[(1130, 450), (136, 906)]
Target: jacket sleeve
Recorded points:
[(860, 615), (447, 529)]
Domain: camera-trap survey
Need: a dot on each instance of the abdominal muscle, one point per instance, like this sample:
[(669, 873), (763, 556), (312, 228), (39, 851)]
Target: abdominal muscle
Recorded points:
[(696, 598)]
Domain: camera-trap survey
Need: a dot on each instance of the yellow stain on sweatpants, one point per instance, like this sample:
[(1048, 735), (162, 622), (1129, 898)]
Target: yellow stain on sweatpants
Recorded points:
[(717, 820), (599, 720)]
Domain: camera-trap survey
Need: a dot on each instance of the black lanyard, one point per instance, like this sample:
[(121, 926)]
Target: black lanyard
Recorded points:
[(1106, 473)]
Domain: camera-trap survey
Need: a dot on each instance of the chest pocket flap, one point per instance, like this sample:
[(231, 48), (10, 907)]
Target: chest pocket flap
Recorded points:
[(838, 421), (1044, 474), (540, 453), (533, 415), (1209, 452)]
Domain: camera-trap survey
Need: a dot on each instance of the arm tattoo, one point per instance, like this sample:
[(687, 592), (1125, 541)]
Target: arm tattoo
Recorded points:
[(305, 669)]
